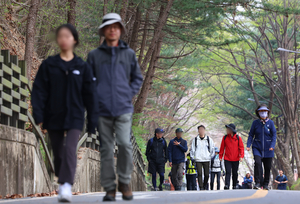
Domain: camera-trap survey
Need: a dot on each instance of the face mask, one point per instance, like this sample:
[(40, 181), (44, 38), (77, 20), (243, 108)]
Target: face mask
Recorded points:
[(263, 114)]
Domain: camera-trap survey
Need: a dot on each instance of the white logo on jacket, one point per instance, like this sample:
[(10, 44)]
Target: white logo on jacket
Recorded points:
[(76, 72)]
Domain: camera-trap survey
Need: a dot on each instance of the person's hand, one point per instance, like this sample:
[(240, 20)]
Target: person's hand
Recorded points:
[(271, 149), (176, 143), (248, 148), (224, 173), (170, 164), (241, 159), (220, 159)]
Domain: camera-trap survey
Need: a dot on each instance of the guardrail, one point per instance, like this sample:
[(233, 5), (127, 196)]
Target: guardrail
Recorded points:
[(15, 90)]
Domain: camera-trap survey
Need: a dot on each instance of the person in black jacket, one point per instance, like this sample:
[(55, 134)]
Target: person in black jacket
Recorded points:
[(156, 153), (63, 87)]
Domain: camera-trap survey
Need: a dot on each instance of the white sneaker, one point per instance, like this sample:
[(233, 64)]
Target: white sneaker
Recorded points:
[(65, 193)]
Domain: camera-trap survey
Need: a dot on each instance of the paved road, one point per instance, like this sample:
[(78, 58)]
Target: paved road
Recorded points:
[(182, 197)]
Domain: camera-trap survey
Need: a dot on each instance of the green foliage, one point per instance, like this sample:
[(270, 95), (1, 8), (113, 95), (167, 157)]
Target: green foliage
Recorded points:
[(138, 132), (296, 185), (43, 152)]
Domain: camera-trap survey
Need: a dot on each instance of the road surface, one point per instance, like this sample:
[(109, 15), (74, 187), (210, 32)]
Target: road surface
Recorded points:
[(182, 197)]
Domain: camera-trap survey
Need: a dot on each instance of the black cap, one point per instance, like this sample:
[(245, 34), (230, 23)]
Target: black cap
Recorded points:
[(231, 126), (159, 130), (178, 130)]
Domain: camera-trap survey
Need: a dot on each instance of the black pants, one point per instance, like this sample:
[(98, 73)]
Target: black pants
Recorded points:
[(247, 185), (258, 172), (231, 167), (65, 156), (212, 180), (191, 182), (205, 165)]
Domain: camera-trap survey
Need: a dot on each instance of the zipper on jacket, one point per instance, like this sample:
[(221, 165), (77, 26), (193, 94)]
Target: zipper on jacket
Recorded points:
[(263, 153), (157, 157)]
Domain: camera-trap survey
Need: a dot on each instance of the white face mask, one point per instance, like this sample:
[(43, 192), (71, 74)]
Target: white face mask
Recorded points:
[(263, 114)]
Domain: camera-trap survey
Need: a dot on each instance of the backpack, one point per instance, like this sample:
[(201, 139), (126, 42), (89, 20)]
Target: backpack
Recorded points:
[(238, 138), (164, 142), (207, 141)]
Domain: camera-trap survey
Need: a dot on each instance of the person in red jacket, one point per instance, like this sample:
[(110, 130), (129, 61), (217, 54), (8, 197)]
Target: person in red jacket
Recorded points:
[(232, 149)]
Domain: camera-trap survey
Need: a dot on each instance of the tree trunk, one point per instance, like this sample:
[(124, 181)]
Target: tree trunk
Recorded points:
[(30, 35), (123, 9), (105, 2), (116, 7), (72, 12), (142, 97), (135, 31), (144, 40), (129, 28), (162, 19), (43, 45)]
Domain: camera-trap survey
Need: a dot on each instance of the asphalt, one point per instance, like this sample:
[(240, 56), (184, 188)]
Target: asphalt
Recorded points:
[(182, 197)]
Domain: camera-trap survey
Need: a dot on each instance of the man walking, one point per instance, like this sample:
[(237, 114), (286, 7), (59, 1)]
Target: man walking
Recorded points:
[(191, 173), (281, 180), (156, 153), (232, 149), (202, 150), (176, 149), (118, 78)]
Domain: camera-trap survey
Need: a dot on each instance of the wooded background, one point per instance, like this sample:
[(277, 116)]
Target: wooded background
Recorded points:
[(204, 61)]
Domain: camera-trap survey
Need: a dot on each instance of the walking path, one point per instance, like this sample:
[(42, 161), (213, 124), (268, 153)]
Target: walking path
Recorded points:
[(181, 197)]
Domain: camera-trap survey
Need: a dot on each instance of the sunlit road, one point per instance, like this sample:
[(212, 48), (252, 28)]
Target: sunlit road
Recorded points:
[(184, 197)]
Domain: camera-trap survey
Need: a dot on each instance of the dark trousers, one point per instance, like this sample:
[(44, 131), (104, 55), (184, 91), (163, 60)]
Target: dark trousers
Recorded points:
[(258, 172), (205, 166), (231, 167), (191, 182), (212, 180), (65, 156), (247, 185), (161, 179)]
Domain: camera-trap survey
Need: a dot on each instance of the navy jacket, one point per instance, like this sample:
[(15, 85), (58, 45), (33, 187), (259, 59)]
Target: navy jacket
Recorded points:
[(281, 186), (262, 138), (157, 151), (177, 153), (118, 76), (60, 95)]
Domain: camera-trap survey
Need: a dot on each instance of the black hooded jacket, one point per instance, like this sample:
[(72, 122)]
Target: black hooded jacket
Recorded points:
[(157, 150), (61, 93)]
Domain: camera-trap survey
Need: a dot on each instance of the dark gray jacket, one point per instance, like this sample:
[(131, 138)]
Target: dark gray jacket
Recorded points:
[(118, 77)]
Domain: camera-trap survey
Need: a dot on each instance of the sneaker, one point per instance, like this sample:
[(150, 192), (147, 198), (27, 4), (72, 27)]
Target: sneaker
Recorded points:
[(65, 193), (226, 187), (265, 187), (160, 188), (257, 186), (110, 196), (125, 190)]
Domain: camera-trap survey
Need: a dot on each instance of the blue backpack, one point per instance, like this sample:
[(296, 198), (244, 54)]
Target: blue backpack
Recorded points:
[(164, 142)]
